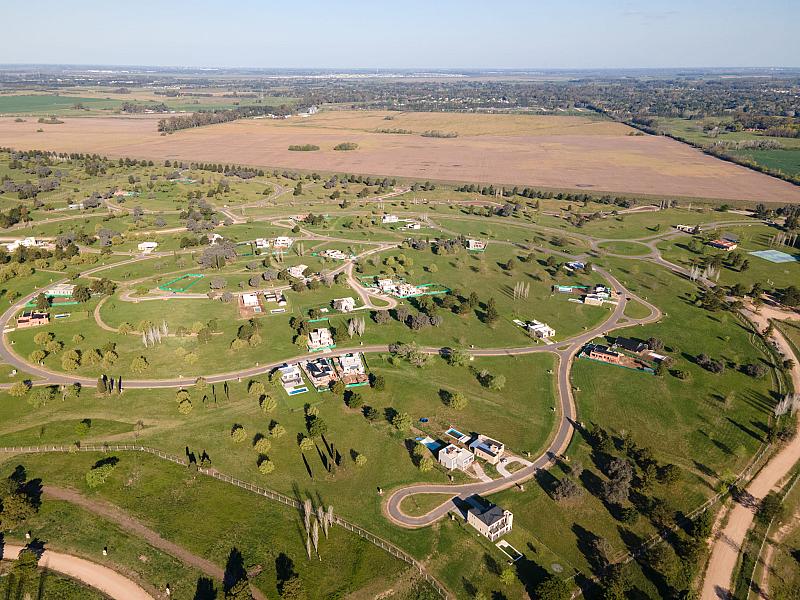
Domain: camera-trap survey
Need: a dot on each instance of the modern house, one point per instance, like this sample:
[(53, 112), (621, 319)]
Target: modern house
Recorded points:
[(490, 521), (292, 379), (412, 225), (147, 247), (320, 339), (32, 319), (28, 242), (635, 346), (334, 254), (574, 265), (275, 297), (320, 371), (352, 369), (250, 301), (540, 330), (214, 238), (476, 245), (390, 219), (603, 353), (687, 228), (593, 300), (453, 457), (488, 449), (386, 286), (297, 271), (261, 244), (344, 304), (60, 290), (282, 242)]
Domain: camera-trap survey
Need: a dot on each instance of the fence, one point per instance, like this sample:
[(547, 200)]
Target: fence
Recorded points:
[(267, 493)]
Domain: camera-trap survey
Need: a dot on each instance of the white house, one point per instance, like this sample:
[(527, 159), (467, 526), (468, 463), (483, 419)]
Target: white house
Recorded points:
[(214, 238), (335, 254), (60, 290), (412, 225), (262, 244), (386, 286), (282, 242), (488, 449), (476, 245), (297, 271), (28, 242), (147, 247), (491, 521), (540, 330), (344, 304), (292, 379), (351, 364), (250, 300), (320, 339), (390, 219), (453, 457)]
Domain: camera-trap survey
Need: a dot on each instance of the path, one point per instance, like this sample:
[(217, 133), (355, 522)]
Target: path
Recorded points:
[(725, 550), (116, 515), (97, 576)]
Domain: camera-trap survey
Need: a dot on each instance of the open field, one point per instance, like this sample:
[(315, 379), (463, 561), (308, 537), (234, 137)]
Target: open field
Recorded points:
[(547, 151)]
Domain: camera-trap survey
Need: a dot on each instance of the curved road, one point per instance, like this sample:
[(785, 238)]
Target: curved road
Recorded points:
[(108, 581)]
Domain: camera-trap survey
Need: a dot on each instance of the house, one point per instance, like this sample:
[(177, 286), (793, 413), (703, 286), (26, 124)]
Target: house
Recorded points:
[(488, 449), (593, 300), (491, 521), (32, 319), (335, 255), (262, 244), (249, 300), (75, 205), (147, 247), (282, 242), (540, 330), (292, 379), (722, 244), (320, 371), (476, 245), (351, 364), (453, 457), (687, 228), (344, 304), (390, 219), (386, 286), (275, 297), (214, 238), (28, 242), (406, 290), (297, 271), (412, 225), (630, 345), (320, 339), (574, 265), (602, 291), (60, 290), (603, 354)]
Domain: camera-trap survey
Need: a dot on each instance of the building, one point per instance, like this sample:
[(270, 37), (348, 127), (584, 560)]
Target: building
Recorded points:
[(32, 319), (574, 265), (297, 271), (60, 290), (688, 228), (722, 244), (292, 379), (282, 242), (603, 354), (261, 244), (321, 372), (344, 304), (540, 330), (488, 449), (601, 290), (320, 339), (351, 365), (386, 286), (630, 345), (28, 242), (476, 245), (390, 219), (593, 300), (412, 225), (147, 247), (214, 238), (275, 297), (453, 457), (249, 300), (335, 254), (406, 290), (491, 521)]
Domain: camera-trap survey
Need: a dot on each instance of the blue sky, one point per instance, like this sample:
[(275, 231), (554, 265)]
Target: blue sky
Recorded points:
[(408, 33)]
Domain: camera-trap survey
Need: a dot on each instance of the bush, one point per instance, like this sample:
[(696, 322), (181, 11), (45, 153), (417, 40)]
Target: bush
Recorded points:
[(262, 445), (98, 474), (426, 464), (268, 404), (360, 460), (277, 430), (185, 406), (266, 466), (402, 421)]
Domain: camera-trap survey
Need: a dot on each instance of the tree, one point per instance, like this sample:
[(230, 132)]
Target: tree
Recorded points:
[(97, 475), (354, 400), (292, 589), (316, 427), (491, 316), (553, 588), (277, 430), (566, 489), (238, 433), (426, 464), (266, 466), (268, 404), (306, 444), (378, 382), (139, 364), (457, 358), (457, 401), (256, 388), (360, 460), (371, 413), (185, 406), (42, 302), (402, 421), (19, 389), (81, 293), (507, 576)]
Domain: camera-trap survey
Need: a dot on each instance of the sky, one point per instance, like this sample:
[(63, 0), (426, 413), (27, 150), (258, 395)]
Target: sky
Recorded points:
[(516, 34)]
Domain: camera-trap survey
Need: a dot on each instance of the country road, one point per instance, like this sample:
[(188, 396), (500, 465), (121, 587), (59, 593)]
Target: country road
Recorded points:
[(108, 581)]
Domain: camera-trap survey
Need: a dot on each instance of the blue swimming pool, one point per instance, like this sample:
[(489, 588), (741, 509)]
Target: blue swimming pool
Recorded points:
[(454, 433)]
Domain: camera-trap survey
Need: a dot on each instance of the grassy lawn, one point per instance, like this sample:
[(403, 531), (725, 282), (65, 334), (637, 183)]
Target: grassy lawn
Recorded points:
[(422, 504), (625, 248), (187, 508)]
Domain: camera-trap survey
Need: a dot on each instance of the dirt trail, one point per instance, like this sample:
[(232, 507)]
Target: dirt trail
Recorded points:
[(725, 551), (132, 525), (97, 576), (769, 552)]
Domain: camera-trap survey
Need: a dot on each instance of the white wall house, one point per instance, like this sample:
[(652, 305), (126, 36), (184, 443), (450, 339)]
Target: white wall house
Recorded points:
[(453, 457)]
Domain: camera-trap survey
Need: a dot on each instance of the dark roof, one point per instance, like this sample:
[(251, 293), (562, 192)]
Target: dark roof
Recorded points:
[(599, 348), (630, 344), (490, 515)]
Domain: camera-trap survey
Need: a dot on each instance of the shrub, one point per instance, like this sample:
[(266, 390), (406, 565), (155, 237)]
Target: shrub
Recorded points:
[(266, 466), (268, 404), (262, 445), (402, 421), (185, 406), (426, 464), (277, 430), (360, 460), (98, 474)]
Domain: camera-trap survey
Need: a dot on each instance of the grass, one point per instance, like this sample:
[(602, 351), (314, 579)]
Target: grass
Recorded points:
[(625, 248), (422, 504), (61, 431), (47, 584), (171, 500), (636, 310)]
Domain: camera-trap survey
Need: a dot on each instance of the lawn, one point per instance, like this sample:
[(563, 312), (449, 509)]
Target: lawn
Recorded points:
[(625, 248)]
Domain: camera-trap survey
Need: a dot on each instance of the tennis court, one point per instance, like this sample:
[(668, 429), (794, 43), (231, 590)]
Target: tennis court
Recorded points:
[(775, 256)]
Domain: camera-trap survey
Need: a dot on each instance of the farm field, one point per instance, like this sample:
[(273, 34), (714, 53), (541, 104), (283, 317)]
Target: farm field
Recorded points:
[(611, 161)]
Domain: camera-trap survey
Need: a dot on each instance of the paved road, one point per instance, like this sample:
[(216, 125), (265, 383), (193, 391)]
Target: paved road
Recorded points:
[(566, 352), (97, 576)]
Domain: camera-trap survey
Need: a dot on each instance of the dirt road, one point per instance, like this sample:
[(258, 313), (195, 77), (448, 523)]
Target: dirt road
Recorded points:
[(97, 576)]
